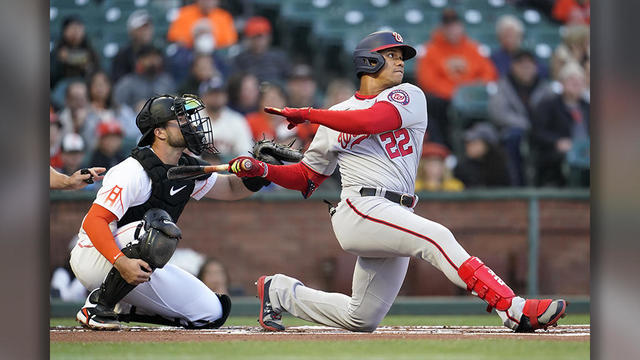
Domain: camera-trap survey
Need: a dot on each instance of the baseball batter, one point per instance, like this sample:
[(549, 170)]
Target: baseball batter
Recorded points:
[(376, 137), (129, 234)]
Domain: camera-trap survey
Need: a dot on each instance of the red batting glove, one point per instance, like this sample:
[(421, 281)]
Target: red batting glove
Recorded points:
[(252, 168), (294, 116)]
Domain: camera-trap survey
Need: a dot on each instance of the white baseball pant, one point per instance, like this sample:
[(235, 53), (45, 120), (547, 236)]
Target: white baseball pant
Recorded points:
[(383, 235), (171, 292)]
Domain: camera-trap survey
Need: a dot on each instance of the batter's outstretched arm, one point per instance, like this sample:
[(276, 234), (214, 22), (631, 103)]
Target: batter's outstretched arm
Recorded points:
[(379, 118), (297, 176)]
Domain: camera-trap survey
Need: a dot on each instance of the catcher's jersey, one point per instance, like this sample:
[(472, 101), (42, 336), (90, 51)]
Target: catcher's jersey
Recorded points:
[(127, 185), (388, 160)]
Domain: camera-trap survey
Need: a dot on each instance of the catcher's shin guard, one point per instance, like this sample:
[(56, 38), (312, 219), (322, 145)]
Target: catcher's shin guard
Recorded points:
[(155, 246), (486, 284), (114, 287)]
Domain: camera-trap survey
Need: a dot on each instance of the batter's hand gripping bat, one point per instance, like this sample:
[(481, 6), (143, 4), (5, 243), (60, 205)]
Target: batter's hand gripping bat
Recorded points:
[(193, 171)]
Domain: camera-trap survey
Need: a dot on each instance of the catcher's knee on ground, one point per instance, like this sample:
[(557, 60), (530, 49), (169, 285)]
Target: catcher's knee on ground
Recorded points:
[(213, 320), (162, 301)]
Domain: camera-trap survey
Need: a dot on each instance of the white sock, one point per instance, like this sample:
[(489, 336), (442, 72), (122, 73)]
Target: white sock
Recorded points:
[(511, 317)]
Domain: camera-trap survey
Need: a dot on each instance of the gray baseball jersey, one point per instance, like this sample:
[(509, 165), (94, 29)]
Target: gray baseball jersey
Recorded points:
[(388, 160), (383, 234)]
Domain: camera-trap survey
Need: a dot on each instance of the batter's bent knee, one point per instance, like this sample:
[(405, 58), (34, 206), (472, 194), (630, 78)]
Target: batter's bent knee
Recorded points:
[(362, 325), (365, 319)]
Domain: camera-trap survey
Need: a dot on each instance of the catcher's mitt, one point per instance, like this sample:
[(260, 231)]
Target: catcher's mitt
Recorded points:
[(272, 153), (275, 154)]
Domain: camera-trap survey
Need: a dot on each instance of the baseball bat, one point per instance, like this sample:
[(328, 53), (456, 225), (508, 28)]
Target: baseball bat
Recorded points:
[(192, 171)]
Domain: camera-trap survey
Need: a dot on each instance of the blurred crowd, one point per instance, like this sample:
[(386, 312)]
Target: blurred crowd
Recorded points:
[(536, 132)]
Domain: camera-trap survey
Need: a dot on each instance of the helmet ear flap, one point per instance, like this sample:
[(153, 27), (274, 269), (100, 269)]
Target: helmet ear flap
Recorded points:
[(364, 61)]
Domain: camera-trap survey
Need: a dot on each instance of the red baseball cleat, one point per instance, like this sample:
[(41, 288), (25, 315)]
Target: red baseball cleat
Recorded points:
[(540, 314), (268, 318)]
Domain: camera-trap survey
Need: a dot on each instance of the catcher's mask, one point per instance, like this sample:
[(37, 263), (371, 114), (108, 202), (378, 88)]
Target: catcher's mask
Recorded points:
[(187, 110)]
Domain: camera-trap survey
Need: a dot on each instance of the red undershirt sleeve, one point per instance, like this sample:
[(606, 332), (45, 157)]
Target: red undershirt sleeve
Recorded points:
[(295, 177), (379, 118), (96, 225)]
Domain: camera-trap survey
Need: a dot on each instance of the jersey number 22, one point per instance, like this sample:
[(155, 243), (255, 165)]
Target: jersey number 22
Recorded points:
[(395, 143)]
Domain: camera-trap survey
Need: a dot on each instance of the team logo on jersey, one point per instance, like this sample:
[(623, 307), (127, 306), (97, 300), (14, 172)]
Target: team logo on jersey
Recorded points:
[(113, 196), (398, 37), (399, 96), (344, 139)]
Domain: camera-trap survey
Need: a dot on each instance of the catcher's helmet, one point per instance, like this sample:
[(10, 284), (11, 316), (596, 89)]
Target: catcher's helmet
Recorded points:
[(367, 51), (196, 129)]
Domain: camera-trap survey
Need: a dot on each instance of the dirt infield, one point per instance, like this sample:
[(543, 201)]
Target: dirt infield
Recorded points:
[(172, 334)]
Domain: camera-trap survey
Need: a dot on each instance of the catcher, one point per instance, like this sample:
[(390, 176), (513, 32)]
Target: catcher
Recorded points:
[(131, 232)]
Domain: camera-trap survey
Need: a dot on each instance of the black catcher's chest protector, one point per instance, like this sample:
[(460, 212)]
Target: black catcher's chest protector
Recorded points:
[(169, 195)]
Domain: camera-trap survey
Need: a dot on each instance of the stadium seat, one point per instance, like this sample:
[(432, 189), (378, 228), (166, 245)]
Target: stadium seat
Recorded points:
[(470, 102), (468, 105)]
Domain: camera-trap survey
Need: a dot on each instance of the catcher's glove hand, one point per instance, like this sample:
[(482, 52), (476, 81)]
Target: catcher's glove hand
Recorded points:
[(275, 154), (270, 152)]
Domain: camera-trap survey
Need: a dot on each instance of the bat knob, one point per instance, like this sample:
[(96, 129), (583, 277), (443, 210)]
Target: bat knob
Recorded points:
[(246, 165)]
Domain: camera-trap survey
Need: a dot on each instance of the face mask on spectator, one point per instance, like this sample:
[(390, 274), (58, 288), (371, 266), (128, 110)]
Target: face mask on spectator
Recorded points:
[(152, 70), (204, 43)]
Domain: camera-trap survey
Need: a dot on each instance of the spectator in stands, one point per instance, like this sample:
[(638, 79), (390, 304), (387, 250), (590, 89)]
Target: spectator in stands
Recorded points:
[(586, 65), (188, 259), (72, 153), (220, 22), (433, 173), (302, 92), (202, 70), (574, 48), (510, 108), (73, 116), (108, 152), (103, 107), (338, 90), (232, 133), (180, 62), (558, 123), (258, 58), (215, 276), (73, 55), (452, 59), (55, 136), (140, 28), (302, 87), (243, 91), (572, 11), (483, 164), (267, 125), (510, 31), (64, 284), (148, 79)]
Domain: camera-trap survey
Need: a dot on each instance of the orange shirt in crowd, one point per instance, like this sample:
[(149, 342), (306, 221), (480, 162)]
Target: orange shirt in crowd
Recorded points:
[(446, 66), (221, 26), (562, 10), (306, 132), (259, 124)]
